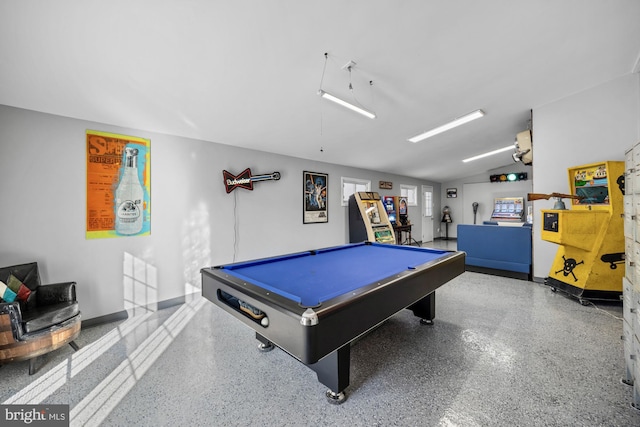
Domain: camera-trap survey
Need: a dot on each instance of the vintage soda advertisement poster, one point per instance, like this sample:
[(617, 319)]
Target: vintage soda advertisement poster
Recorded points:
[(118, 185)]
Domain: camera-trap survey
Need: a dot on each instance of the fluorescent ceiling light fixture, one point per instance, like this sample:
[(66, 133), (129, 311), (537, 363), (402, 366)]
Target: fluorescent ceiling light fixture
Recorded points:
[(452, 124), (490, 153), (327, 95)]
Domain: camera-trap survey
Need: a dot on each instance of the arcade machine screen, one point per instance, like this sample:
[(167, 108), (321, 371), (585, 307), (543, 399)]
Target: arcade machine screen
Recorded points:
[(402, 209), (510, 208), (389, 206), (591, 184)]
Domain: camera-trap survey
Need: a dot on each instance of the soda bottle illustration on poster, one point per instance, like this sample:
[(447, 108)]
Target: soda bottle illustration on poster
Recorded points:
[(129, 196)]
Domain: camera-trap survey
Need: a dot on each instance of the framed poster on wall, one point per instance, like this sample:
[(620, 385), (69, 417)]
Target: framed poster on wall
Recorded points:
[(118, 185), (315, 196)]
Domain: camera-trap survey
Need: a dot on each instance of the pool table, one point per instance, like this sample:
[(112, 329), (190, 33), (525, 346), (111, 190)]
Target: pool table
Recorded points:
[(313, 304)]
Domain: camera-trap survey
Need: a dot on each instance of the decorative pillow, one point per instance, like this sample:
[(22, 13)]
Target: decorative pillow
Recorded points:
[(19, 288), (23, 293), (6, 293), (14, 283)]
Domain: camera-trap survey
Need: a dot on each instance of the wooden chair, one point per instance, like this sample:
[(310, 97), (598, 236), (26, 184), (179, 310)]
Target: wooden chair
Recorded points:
[(35, 319)]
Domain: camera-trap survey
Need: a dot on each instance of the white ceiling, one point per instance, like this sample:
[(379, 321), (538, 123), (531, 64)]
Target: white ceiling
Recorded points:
[(246, 73)]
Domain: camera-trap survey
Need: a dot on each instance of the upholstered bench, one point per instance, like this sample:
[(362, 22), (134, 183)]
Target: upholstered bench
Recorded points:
[(497, 249), (34, 318)]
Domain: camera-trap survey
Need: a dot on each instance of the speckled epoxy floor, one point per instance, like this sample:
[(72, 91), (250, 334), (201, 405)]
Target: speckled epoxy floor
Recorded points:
[(502, 352)]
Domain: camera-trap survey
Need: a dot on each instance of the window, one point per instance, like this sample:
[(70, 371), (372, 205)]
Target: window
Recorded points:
[(351, 185), (411, 193)]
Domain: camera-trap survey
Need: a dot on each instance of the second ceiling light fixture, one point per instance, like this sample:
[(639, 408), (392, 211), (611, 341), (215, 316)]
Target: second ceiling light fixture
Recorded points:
[(326, 95), (447, 126)]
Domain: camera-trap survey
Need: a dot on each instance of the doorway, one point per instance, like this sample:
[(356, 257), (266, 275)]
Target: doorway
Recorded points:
[(427, 214)]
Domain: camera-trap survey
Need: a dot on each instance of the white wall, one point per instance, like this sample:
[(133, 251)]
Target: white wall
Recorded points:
[(591, 126), (194, 223), (43, 190)]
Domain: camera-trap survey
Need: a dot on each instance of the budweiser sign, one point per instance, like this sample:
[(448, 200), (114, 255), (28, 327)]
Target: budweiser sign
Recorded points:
[(245, 180)]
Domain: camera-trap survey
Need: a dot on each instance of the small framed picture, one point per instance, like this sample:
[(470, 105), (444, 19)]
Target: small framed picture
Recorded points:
[(452, 193), (315, 190)]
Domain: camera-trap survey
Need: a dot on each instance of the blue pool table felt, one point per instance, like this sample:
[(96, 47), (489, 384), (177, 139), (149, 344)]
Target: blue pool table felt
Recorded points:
[(311, 278)]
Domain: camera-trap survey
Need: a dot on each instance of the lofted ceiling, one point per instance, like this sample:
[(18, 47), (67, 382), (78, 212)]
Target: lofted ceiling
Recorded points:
[(246, 72)]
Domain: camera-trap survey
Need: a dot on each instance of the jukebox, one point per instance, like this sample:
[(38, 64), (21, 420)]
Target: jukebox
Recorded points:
[(368, 219)]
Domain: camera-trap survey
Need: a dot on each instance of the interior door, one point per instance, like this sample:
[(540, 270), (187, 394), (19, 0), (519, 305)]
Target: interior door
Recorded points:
[(427, 214)]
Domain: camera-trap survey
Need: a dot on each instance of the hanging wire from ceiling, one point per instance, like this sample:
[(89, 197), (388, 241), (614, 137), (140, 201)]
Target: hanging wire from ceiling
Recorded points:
[(372, 94), (353, 94), (324, 68)]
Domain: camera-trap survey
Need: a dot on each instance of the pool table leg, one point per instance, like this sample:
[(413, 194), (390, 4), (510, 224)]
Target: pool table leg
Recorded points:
[(425, 309), (333, 371), (265, 345)]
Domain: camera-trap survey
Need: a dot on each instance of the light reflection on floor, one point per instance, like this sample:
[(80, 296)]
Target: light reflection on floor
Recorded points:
[(501, 352)]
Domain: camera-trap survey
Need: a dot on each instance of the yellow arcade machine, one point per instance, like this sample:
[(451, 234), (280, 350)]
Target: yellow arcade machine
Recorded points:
[(589, 263), (368, 220)]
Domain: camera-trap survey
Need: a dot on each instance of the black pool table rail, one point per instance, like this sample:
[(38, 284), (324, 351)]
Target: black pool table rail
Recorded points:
[(312, 278)]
